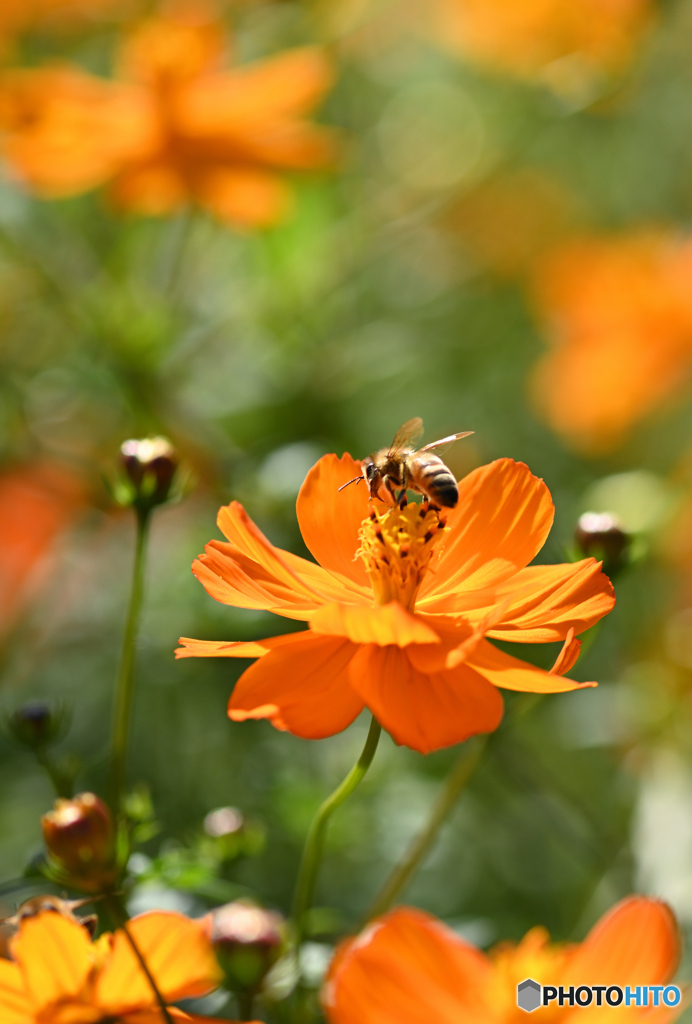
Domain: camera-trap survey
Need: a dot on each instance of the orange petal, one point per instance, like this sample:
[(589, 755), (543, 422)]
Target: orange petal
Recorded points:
[(230, 577), (250, 572), (246, 197), (232, 648), (546, 601), (501, 522), (407, 968), (153, 187), (459, 639), (259, 95), (567, 658), (379, 624), (330, 519), (177, 952), (239, 529), (636, 943), (175, 49), (303, 688), (16, 1006), (243, 582), (154, 1016), (55, 956), (424, 711), (510, 673), (539, 604)]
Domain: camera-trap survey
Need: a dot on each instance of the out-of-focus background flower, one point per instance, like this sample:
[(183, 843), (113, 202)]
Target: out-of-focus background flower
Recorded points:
[(272, 230)]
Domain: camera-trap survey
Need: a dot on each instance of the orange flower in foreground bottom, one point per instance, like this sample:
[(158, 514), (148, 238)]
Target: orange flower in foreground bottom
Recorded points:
[(619, 318), (175, 127), (57, 975), (399, 606), (408, 968)]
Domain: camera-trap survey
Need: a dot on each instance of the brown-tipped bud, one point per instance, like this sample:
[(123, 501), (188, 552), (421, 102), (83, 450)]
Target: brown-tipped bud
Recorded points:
[(81, 840), (36, 724), (248, 941), (151, 464), (601, 535)]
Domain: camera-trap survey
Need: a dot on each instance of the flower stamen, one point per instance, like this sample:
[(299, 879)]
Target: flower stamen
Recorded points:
[(396, 547)]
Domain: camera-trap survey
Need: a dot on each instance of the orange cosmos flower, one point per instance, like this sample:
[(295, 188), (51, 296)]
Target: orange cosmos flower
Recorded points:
[(37, 505), (57, 975), (399, 606), (175, 128), (20, 15), (619, 317), (408, 968), (524, 36)]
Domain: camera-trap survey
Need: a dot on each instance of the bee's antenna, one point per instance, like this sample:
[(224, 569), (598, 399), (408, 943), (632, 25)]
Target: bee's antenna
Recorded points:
[(355, 480)]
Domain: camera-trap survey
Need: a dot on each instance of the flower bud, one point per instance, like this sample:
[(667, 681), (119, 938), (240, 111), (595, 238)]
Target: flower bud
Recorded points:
[(150, 465), (600, 535), (248, 941), (36, 724), (81, 841)]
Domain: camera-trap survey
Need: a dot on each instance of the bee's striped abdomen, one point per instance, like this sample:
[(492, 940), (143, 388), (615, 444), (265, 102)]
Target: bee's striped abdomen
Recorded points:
[(429, 475)]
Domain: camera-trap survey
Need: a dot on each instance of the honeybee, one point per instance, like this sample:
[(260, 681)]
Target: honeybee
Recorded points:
[(40, 904), (400, 465)]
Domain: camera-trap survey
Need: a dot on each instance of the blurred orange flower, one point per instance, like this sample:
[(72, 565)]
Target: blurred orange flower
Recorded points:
[(37, 503), (511, 218), (524, 36), (20, 15), (399, 606), (58, 975), (174, 128), (619, 319), (408, 968)]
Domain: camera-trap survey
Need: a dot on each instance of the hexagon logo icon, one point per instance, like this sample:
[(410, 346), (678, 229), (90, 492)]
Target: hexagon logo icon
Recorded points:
[(528, 995)]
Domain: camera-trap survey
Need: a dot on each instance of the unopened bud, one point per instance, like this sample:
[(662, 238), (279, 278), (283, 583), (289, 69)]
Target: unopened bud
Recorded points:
[(248, 941), (36, 724), (151, 465), (80, 837), (600, 535)]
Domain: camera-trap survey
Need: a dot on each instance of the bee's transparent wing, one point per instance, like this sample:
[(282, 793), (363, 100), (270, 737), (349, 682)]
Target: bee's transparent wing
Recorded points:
[(444, 443), (406, 434)]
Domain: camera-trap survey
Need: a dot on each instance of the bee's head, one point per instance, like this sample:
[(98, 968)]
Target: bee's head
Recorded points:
[(369, 469)]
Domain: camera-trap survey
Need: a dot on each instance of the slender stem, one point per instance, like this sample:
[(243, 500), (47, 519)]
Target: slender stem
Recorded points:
[(113, 904), (125, 685), (177, 251), (62, 783), (245, 1005), (314, 844), (460, 774)]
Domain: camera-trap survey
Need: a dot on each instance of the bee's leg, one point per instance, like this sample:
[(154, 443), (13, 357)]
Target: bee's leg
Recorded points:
[(403, 500), (389, 486)]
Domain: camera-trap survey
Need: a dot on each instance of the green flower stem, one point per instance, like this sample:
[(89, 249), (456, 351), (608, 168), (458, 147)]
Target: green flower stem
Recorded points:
[(118, 911), (62, 783), (457, 779), (246, 1002), (314, 844), (125, 685)]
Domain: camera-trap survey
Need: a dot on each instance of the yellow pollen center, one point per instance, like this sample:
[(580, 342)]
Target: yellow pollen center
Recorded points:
[(396, 547)]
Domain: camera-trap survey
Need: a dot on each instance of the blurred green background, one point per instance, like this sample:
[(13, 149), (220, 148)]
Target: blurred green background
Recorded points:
[(382, 296)]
